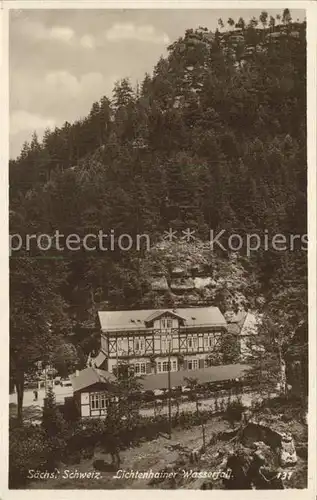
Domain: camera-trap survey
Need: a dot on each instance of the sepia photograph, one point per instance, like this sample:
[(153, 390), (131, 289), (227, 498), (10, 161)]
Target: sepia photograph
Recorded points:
[(158, 241)]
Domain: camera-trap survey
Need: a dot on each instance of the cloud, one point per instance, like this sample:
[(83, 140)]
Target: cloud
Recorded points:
[(21, 120), (63, 82), (35, 30), (88, 42), (63, 33), (128, 31)]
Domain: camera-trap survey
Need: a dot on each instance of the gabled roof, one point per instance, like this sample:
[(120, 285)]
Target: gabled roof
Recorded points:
[(157, 314), (90, 376), (138, 319)]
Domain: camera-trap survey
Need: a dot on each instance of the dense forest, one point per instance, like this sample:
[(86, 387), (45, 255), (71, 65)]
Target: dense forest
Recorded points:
[(214, 138)]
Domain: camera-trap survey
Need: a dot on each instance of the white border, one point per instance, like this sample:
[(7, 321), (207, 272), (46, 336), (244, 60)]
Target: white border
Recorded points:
[(311, 15)]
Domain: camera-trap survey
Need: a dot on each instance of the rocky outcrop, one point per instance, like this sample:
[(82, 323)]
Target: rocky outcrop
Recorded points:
[(288, 456), (180, 285), (159, 284)]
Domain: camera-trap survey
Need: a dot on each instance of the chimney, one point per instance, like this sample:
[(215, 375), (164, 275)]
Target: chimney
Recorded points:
[(77, 373)]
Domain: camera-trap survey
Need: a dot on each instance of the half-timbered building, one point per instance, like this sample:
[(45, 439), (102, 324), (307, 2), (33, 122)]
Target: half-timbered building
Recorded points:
[(146, 339)]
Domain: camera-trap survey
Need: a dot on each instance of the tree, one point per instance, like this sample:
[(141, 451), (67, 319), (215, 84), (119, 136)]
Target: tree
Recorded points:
[(283, 332), (286, 17), (220, 23), (272, 23), (253, 22), (122, 414), (241, 23), (127, 388), (122, 93), (263, 18), (65, 359), (231, 22), (192, 383), (230, 349), (37, 315), (55, 429), (234, 412), (52, 419)]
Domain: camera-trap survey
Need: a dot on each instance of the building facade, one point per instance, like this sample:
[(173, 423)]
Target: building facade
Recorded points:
[(147, 339), (95, 389)]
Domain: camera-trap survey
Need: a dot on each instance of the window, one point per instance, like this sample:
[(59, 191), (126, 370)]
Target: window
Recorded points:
[(139, 344), (209, 342), (165, 366), (192, 364), (166, 323), (139, 368), (98, 400), (195, 342), (190, 343), (162, 367)]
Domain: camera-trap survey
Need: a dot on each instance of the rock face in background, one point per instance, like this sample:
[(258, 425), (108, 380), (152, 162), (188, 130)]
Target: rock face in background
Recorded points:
[(190, 274), (159, 284)]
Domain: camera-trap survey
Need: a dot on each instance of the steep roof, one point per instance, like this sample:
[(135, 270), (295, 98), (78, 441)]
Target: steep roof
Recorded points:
[(137, 319), (90, 376)]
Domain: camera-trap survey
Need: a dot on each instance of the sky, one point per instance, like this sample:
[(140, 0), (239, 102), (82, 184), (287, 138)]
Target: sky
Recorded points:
[(61, 61)]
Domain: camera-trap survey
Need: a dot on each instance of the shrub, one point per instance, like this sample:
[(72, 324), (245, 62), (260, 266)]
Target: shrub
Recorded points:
[(28, 450), (86, 435), (55, 429), (234, 412)]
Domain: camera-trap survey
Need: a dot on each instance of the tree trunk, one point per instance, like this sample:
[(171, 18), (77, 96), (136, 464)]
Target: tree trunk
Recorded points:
[(282, 374), (19, 382)]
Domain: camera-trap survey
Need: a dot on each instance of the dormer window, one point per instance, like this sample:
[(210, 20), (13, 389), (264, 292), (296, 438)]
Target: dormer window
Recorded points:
[(166, 323)]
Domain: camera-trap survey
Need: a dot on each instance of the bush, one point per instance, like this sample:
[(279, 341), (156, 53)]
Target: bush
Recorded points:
[(28, 450), (234, 412), (55, 429), (86, 435)]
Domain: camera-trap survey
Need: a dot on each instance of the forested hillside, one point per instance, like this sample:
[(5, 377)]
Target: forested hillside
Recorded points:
[(214, 139)]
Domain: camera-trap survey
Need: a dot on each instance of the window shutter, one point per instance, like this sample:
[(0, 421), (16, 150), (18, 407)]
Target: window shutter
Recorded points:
[(148, 368), (185, 365), (201, 363)]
